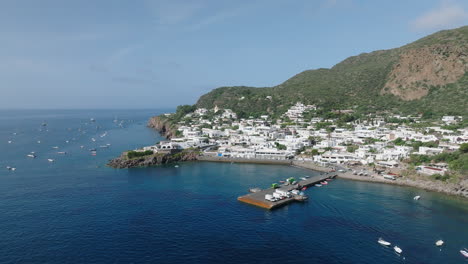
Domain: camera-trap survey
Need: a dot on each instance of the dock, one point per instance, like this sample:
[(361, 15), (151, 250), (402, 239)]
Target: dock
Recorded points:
[(258, 198)]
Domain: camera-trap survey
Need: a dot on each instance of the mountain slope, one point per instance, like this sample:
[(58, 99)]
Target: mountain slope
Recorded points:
[(429, 74)]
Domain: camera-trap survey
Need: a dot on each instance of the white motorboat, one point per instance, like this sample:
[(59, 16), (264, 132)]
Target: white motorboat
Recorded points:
[(62, 152), (51, 160), (318, 185), (93, 139), (464, 252), (439, 243), (56, 147), (31, 156), (397, 249), (417, 197), (13, 169), (176, 166), (383, 242), (38, 142), (9, 141)]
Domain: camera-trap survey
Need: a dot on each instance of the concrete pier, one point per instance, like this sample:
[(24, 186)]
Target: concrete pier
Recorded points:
[(258, 198)]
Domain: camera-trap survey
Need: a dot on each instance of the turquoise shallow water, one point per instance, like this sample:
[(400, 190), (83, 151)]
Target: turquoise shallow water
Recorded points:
[(76, 210)]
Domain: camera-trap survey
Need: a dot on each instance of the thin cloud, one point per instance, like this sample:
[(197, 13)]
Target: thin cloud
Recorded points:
[(447, 15)]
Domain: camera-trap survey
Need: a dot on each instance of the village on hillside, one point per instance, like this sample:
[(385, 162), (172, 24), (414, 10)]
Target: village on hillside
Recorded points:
[(388, 144)]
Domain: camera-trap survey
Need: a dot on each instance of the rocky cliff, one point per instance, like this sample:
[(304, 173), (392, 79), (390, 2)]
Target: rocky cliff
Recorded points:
[(163, 126)]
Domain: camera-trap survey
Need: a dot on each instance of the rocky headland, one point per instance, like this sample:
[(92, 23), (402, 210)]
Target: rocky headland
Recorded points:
[(123, 162)]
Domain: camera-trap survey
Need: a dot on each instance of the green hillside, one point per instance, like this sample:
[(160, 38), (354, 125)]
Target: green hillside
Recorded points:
[(427, 75)]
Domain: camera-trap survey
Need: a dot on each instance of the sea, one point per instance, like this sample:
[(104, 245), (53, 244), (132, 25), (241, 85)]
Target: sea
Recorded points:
[(77, 210)]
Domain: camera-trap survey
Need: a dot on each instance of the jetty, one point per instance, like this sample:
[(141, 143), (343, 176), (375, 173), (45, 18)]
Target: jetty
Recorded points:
[(258, 198)]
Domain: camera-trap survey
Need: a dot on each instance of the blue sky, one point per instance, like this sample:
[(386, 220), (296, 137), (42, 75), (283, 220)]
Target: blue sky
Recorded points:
[(158, 54)]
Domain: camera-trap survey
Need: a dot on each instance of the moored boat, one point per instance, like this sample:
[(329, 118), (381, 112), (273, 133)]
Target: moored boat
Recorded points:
[(397, 249), (464, 252), (417, 197), (439, 243), (383, 242), (318, 185), (31, 156)]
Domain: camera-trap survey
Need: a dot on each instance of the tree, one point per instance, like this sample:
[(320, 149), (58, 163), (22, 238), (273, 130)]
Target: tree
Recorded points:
[(399, 142), (352, 148), (280, 146), (464, 148)]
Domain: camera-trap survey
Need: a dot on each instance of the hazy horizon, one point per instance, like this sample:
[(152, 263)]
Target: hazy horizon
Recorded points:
[(160, 54)]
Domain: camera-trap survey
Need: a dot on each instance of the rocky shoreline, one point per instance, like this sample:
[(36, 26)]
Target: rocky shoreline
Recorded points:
[(459, 189), (123, 162)]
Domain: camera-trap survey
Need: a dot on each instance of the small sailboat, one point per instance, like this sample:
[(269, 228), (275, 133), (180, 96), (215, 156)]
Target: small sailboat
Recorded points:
[(439, 243), (464, 252), (417, 197), (397, 249), (383, 242)]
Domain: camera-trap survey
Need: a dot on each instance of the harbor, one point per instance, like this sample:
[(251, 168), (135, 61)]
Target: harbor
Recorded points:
[(259, 197)]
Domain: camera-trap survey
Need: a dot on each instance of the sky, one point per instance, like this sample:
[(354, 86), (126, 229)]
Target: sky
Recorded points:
[(57, 54)]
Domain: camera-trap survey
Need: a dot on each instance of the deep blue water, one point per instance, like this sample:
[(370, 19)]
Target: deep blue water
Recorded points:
[(76, 210)]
